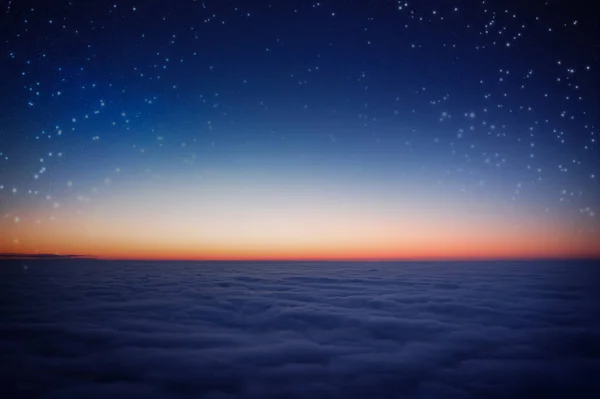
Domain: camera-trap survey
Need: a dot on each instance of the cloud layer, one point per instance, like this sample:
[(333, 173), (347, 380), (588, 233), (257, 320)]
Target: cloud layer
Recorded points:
[(85, 328)]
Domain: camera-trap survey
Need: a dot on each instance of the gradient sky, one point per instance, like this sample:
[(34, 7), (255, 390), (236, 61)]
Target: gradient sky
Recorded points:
[(300, 129)]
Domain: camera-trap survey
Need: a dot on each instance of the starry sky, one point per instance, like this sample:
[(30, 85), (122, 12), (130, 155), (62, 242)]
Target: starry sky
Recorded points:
[(296, 129)]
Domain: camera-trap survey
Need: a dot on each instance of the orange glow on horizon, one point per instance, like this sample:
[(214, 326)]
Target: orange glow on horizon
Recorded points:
[(274, 224), (395, 246)]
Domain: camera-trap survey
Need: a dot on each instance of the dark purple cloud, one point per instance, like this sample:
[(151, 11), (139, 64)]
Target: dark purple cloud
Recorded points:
[(85, 328)]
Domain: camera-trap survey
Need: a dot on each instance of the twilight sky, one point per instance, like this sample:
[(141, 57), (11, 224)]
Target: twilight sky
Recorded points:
[(300, 129)]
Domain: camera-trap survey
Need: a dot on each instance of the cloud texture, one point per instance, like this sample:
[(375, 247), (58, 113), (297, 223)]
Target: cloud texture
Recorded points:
[(86, 328)]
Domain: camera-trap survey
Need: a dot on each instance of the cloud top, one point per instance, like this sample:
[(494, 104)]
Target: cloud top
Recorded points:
[(86, 328)]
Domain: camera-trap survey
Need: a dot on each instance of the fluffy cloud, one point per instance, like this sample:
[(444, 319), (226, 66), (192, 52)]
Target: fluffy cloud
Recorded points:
[(84, 328)]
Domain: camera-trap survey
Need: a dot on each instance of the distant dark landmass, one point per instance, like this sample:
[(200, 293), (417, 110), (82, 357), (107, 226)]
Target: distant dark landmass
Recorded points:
[(139, 329), (41, 256)]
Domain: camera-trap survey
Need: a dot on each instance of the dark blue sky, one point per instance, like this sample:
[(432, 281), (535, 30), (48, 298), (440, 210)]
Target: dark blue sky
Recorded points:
[(432, 104)]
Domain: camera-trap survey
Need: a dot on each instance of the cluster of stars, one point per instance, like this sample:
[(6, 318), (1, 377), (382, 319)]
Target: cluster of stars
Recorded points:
[(482, 99)]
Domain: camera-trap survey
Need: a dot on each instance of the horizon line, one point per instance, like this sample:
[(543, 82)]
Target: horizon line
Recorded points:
[(47, 256)]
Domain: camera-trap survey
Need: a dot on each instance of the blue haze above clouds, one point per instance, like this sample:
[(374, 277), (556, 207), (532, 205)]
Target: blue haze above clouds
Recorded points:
[(85, 328)]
